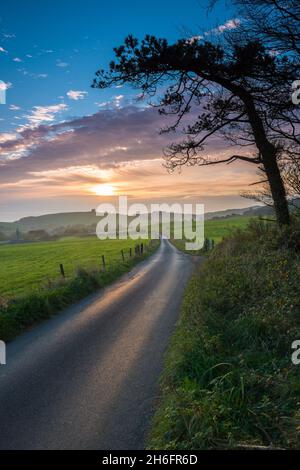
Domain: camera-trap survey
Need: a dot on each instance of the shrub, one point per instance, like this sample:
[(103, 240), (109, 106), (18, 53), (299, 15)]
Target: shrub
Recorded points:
[(229, 381)]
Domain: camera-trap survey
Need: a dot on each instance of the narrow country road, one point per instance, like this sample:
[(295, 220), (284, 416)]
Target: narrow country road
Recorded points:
[(88, 378)]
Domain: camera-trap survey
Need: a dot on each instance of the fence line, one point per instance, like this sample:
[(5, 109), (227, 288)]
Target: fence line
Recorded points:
[(139, 250)]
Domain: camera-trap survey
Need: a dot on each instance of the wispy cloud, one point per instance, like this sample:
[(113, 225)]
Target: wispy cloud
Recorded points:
[(17, 59), (229, 25), (8, 35), (25, 72), (13, 107), (3, 50), (76, 94), (62, 64), (118, 99), (43, 114)]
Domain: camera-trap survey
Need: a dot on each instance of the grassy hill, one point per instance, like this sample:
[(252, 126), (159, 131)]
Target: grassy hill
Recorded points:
[(51, 222)]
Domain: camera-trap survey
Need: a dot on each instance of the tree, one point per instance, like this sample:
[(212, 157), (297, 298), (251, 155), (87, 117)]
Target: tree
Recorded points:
[(277, 25), (275, 22), (223, 91), (291, 177)]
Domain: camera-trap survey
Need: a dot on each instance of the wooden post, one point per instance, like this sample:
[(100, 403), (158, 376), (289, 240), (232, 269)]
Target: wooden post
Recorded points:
[(123, 257), (130, 252), (62, 271), (103, 263), (142, 248)]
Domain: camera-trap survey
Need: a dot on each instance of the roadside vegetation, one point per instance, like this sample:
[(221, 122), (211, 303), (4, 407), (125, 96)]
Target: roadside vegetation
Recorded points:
[(215, 230), (229, 381), (32, 288)]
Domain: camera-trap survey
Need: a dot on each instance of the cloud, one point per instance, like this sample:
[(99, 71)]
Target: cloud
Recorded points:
[(114, 103), (76, 94), (106, 139), (8, 35), (32, 75), (110, 139), (3, 50), (55, 165), (5, 85), (229, 25), (103, 104), (60, 63), (6, 136), (43, 114), (117, 100), (17, 59), (13, 107)]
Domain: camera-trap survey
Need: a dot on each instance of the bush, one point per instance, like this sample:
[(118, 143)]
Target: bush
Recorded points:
[(229, 381)]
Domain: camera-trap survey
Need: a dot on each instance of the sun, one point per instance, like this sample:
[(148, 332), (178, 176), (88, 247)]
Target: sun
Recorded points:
[(104, 190)]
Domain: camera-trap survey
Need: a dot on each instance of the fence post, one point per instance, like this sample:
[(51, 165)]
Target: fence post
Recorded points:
[(206, 244), (123, 257), (103, 263), (142, 248), (62, 271), (130, 252)]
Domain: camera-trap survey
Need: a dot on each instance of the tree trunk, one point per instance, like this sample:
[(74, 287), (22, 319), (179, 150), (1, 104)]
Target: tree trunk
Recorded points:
[(277, 188), (268, 154), (267, 151)]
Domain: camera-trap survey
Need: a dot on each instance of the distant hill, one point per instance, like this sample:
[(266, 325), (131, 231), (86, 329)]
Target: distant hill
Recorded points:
[(51, 222), (248, 211)]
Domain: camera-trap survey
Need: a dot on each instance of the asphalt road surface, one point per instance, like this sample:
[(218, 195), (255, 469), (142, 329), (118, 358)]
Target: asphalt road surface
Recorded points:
[(88, 378)]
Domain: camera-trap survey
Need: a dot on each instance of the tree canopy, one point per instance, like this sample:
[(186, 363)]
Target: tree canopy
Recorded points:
[(238, 91)]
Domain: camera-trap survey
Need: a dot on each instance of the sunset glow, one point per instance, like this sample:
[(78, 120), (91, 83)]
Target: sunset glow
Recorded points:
[(103, 190)]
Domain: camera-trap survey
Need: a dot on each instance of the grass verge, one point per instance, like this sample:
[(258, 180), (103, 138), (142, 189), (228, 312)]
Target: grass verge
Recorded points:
[(229, 381), (20, 313)]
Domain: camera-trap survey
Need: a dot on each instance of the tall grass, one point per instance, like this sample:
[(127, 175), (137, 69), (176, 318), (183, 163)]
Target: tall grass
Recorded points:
[(229, 381)]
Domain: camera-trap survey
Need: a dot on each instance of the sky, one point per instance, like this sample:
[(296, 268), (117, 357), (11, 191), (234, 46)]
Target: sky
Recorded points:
[(65, 146)]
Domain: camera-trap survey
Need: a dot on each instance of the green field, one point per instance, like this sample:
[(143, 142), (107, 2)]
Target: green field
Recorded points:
[(217, 229), (25, 267)]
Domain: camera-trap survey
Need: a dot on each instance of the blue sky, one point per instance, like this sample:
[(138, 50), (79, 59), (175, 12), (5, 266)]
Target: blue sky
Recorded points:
[(60, 139), (56, 46)]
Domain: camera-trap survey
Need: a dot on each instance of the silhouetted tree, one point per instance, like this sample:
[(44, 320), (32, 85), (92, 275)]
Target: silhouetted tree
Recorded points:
[(229, 87), (276, 23)]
